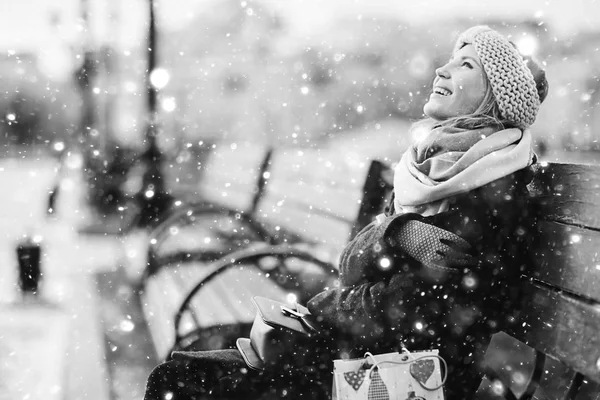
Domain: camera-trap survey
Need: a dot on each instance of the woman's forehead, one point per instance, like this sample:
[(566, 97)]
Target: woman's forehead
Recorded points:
[(467, 50)]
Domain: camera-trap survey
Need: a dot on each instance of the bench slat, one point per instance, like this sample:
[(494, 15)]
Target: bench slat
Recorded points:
[(312, 226), (313, 195), (238, 198), (158, 301), (162, 297), (313, 165), (211, 231), (341, 202), (311, 178), (564, 328), (210, 300), (216, 302), (228, 177), (568, 193), (239, 285), (568, 257)]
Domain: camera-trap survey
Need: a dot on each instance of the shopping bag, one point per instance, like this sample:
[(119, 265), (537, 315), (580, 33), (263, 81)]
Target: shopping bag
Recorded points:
[(401, 376)]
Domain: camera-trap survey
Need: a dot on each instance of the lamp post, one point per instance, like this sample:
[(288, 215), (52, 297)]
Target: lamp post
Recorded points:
[(152, 197)]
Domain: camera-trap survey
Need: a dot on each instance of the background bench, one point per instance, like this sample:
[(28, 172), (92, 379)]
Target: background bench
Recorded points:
[(215, 210), (560, 319), (230, 174), (310, 201), (221, 188)]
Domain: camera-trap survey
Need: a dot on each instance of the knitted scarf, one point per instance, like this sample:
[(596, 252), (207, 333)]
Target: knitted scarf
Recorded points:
[(451, 161)]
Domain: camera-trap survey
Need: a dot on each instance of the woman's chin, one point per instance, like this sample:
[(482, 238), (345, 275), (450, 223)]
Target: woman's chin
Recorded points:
[(433, 111)]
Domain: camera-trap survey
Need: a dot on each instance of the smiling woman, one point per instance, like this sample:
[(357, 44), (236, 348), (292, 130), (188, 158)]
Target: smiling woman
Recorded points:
[(452, 242), (482, 104)]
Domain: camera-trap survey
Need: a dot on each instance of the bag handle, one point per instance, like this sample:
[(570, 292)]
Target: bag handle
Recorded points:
[(299, 316), (376, 364)]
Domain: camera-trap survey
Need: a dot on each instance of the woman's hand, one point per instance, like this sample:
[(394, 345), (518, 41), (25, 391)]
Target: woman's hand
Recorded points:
[(440, 251)]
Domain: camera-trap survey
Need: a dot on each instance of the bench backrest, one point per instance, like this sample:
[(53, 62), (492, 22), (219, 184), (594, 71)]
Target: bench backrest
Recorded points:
[(293, 194), (230, 174), (323, 197), (562, 316)]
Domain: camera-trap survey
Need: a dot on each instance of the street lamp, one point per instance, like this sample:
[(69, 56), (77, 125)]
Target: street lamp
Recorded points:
[(152, 197)]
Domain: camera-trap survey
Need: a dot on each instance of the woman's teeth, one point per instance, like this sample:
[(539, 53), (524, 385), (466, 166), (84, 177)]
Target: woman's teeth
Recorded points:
[(442, 91)]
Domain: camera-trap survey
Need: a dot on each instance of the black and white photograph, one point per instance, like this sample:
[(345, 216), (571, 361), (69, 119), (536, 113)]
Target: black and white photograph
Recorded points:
[(300, 199)]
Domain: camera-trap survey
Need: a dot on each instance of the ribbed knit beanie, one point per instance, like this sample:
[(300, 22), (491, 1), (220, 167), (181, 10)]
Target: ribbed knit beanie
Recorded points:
[(512, 82)]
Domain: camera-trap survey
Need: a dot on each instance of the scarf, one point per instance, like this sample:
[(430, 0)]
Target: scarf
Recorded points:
[(451, 161)]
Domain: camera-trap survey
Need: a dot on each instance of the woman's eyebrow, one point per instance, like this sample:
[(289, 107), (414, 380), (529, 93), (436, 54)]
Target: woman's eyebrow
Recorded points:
[(476, 61)]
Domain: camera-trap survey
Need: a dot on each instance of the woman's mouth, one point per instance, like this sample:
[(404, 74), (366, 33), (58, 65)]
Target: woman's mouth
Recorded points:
[(441, 91)]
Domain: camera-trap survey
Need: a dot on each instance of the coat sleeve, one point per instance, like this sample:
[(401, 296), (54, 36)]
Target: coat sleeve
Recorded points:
[(364, 311), (367, 255), (375, 307)]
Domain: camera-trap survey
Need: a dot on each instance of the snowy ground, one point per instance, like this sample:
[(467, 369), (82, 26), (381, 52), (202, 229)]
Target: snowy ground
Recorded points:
[(52, 347)]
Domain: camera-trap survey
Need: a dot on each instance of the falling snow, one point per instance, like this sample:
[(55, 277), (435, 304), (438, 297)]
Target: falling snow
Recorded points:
[(89, 153)]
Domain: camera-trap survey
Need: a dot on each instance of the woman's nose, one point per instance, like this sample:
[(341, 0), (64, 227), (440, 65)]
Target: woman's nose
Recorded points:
[(442, 72)]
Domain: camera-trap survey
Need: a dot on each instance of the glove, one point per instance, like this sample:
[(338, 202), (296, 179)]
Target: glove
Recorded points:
[(440, 251)]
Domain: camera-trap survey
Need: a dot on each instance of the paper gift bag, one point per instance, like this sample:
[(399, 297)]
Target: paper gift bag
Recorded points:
[(401, 376)]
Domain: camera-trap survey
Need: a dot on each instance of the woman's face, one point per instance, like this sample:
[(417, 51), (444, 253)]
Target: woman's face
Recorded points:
[(459, 86)]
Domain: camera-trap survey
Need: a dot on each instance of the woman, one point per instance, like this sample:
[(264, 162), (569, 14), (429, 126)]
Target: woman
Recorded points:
[(450, 240)]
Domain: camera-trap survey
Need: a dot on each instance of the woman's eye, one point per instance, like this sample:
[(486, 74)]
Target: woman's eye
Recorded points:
[(467, 64)]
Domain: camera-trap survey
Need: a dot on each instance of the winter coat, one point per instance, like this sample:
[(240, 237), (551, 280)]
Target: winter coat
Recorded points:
[(379, 305)]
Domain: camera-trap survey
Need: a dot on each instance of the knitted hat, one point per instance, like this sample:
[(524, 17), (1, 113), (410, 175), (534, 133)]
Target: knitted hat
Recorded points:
[(512, 82)]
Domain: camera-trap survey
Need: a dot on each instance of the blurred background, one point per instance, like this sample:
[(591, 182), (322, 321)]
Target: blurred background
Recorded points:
[(94, 93), (298, 72)]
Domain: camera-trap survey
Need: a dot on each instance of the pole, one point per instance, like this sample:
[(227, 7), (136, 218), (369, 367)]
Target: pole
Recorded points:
[(152, 49), (152, 198), (85, 76)]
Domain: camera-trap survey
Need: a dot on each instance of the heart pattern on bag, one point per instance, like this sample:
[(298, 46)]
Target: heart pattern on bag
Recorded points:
[(422, 370), (377, 388), (355, 379)]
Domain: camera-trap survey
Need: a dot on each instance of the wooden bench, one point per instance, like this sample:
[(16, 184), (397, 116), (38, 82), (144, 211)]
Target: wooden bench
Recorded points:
[(307, 210), (216, 206), (560, 319), (221, 187), (213, 216)]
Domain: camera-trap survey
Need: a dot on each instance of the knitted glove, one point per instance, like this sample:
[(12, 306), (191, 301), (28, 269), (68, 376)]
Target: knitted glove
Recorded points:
[(440, 251)]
